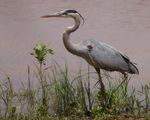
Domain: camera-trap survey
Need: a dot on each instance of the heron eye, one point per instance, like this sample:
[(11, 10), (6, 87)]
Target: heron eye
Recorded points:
[(65, 13)]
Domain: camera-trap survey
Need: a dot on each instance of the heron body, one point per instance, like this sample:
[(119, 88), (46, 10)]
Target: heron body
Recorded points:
[(98, 54), (101, 55)]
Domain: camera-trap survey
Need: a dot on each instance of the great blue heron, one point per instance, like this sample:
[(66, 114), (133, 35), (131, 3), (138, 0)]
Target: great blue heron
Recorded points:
[(97, 54)]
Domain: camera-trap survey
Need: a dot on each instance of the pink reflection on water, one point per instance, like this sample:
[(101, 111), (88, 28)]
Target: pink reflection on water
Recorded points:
[(122, 24)]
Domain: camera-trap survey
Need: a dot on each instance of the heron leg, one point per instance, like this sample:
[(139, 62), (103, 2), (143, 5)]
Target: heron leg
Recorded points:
[(125, 75), (102, 89)]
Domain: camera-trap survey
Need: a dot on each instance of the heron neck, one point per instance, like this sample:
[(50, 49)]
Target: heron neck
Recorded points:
[(75, 26), (72, 47)]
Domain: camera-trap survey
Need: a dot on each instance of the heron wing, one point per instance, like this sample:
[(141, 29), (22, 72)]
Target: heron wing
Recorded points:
[(117, 52), (105, 56)]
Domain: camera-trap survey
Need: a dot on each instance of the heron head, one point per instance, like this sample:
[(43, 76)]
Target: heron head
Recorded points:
[(65, 13)]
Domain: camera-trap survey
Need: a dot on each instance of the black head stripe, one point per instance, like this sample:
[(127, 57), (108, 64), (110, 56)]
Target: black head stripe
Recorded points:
[(71, 11), (74, 11)]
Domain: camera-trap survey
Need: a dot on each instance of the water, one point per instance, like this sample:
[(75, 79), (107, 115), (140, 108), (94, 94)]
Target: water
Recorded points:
[(124, 24)]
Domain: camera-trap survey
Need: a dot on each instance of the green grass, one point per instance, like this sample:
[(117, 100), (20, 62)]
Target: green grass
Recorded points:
[(67, 97)]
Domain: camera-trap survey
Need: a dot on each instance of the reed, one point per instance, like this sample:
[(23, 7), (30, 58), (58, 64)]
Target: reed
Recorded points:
[(72, 97)]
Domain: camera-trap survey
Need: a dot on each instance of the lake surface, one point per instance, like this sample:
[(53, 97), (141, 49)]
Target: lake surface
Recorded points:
[(124, 24)]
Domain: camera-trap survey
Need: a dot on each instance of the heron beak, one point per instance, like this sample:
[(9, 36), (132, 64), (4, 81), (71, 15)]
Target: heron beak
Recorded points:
[(53, 15)]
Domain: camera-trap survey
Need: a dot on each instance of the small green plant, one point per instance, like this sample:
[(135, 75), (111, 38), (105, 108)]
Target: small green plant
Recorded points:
[(40, 52)]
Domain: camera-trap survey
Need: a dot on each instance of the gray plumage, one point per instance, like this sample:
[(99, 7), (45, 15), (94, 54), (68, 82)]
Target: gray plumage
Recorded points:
[(104, 56), (98, 54)]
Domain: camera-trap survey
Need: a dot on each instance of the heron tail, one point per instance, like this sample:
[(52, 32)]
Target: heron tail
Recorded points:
[(133, 69)]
